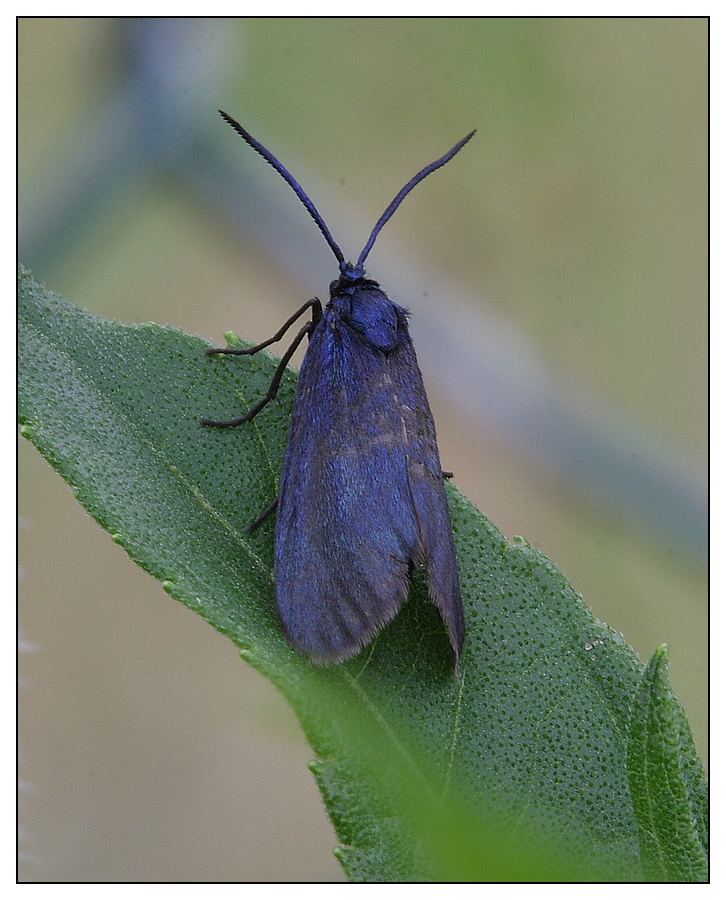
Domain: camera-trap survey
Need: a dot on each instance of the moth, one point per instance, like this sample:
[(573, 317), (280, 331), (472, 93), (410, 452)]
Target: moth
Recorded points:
[(362, 498)]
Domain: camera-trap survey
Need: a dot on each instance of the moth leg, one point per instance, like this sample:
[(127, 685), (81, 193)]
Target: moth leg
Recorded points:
[(250, 351), (261, 518), (307, 328)]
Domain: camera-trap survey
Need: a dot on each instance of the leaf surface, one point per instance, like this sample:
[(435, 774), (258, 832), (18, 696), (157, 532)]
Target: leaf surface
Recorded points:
[(530, 766)]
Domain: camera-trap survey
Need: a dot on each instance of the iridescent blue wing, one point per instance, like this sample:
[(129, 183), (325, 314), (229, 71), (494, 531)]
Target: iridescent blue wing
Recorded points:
[(362, 497)]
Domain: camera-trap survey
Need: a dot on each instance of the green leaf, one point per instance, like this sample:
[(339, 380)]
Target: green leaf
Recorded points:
[(667, 781), (522, 769)]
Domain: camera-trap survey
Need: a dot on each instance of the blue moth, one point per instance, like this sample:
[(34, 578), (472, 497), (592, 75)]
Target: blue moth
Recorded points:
[(362, 498)]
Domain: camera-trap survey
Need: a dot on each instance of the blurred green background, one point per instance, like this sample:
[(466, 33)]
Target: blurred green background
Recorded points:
[(577, 215)]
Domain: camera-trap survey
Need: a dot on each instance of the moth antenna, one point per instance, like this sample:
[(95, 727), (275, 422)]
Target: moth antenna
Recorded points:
[(348, 270), (281, 170), (403, 193)]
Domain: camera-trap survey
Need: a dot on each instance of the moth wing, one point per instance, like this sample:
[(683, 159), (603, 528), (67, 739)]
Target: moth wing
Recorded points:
[(429, 498), (346, 527), (432, 514), (362, 498)]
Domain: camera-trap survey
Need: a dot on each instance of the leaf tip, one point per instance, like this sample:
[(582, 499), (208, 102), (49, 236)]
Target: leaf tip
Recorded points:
[(657, 666)]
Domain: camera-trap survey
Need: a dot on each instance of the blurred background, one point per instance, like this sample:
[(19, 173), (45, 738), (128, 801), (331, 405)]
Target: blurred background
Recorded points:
[(556, 273)]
